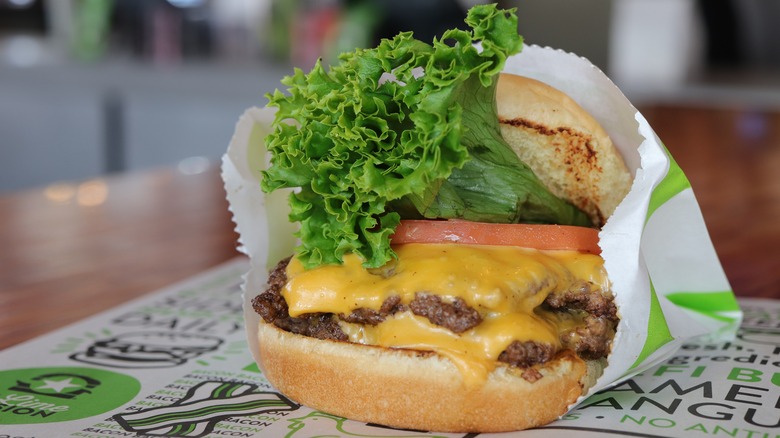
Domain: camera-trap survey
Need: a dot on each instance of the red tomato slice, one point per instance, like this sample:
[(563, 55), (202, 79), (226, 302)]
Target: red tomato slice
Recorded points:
[(537, 236)]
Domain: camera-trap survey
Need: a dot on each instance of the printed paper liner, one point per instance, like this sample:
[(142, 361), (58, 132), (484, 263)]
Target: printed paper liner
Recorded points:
[(667, 279)]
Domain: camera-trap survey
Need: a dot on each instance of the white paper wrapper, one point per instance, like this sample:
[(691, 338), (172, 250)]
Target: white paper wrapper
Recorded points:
[(667, 279)]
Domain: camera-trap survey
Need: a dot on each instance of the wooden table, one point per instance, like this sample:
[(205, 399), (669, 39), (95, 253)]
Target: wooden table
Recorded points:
[(77, 249)]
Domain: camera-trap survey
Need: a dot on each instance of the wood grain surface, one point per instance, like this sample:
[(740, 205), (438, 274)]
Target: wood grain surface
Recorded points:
[(76, 249)]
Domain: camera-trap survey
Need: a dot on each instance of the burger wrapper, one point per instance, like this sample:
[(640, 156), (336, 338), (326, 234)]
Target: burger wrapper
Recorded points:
[(668, 283)]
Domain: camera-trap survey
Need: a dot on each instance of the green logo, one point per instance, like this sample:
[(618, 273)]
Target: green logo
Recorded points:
[(204, 405), (48, 395)]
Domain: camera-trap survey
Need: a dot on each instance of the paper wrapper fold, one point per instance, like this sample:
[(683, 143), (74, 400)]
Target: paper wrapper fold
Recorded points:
[(668, 282)]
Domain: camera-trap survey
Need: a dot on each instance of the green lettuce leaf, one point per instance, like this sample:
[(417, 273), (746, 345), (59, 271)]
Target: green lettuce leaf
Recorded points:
[(403, 130)]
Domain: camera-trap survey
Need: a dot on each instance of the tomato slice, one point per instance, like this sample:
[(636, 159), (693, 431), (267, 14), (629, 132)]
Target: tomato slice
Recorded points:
[(537, 236)]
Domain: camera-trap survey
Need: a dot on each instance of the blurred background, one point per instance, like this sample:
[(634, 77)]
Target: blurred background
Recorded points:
[(94, 87)]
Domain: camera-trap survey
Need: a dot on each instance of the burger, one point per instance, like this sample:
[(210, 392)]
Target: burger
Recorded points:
[(448, 275)]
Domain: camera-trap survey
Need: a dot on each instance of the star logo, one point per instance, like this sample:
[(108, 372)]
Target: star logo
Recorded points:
[(60, 385), (57, 386)]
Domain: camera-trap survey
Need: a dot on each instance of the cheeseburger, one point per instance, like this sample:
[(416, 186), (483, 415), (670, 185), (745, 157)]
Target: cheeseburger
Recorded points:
[(448, 275)]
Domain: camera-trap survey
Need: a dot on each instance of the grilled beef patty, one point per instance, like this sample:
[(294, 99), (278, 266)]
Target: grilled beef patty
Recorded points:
[(590, 340)]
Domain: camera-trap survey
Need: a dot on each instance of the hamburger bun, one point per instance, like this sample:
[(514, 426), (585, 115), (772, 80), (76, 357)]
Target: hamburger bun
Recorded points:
[(546, 128), (415, 390), (423, 390)]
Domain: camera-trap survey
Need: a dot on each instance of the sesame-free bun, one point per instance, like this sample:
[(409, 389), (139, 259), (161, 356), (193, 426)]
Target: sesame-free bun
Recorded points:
[(416, 390), (563, 144)]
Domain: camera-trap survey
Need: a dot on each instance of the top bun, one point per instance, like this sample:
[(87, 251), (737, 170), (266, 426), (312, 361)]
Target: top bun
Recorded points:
[(547, 128)]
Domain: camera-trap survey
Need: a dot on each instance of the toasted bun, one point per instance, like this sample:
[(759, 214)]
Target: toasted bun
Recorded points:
[(567, 148), (416, 390)]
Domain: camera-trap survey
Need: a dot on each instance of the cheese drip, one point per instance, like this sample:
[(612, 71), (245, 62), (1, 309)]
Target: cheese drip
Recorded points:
[(474, 352), (504, 284)]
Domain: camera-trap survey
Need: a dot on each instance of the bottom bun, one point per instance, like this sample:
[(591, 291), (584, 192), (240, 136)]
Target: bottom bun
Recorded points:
[(416, 390)]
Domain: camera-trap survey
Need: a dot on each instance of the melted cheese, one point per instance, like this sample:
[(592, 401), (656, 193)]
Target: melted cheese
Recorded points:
[(504, 284), (474, 352)]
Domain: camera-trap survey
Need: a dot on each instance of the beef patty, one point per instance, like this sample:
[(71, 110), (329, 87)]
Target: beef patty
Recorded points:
[(591, 339)]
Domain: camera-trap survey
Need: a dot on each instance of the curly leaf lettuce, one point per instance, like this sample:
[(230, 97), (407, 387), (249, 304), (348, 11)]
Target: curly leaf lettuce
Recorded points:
[(405, 129)]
